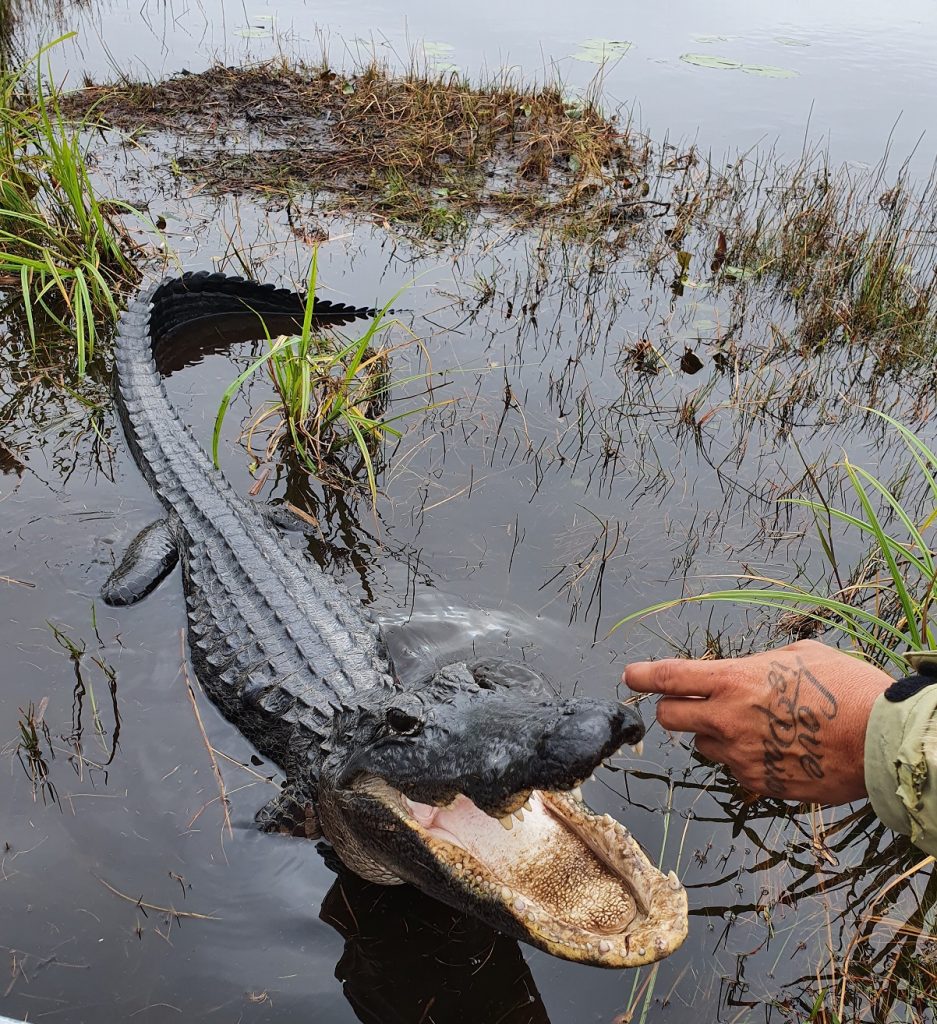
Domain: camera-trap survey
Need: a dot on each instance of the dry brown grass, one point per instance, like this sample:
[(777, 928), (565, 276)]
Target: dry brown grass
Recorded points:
[(415, 147), (830, 255), (821, 255)]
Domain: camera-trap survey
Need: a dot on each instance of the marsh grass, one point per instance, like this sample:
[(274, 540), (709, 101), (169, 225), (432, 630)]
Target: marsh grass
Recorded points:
[(884, 967), (332, 396), (809, 256), (874, 946), (61, 245), (420, 147), (886, 608), (851, 253), (34, 736)]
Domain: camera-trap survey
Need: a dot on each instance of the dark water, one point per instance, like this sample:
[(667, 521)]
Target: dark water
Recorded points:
[(524, 528)]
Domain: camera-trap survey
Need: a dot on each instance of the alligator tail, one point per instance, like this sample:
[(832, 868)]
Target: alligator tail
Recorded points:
[(151, 320)]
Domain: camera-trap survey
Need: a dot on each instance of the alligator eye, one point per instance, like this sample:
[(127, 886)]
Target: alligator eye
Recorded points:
[(402, 723)]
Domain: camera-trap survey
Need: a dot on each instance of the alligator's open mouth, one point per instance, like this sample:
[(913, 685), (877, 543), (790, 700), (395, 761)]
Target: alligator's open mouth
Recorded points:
[(576, 883)]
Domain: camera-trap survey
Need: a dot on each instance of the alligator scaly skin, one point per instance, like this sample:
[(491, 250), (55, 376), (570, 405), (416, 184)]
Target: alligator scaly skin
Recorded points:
[(278, 643)]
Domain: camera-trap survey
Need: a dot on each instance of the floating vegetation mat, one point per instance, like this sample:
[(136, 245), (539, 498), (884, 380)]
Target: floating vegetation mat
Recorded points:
[(814, 254), (427, 149)]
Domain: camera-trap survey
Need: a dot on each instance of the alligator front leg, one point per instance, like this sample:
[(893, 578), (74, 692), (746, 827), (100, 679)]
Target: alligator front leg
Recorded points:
[(150, 557), (290, 813)]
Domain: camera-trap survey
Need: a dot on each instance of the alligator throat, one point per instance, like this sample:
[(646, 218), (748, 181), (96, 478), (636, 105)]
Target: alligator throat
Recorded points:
[(541, 861)]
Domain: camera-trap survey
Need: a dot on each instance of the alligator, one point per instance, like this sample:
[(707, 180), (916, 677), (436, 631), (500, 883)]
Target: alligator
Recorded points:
[(467, 784)]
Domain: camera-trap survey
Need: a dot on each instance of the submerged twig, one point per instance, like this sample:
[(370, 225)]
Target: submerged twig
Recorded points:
[(201, 728), (139, 902)]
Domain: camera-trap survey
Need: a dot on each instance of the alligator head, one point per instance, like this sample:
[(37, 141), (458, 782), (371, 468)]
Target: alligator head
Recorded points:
[(468, 787)]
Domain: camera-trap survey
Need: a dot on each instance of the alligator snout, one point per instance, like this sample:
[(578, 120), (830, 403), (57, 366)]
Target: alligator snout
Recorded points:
[(491, 745), (584, 730)]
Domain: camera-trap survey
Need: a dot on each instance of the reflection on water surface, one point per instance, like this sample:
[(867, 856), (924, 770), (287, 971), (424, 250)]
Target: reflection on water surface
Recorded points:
[(566, 487)]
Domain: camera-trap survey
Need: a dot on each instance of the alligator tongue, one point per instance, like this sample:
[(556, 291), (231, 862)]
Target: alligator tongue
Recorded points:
[(540, 862)]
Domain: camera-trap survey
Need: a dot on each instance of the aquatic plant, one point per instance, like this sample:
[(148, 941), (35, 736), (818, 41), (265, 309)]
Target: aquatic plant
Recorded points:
[(849, 251), (810, 253), (884, 608), (422, 148), (879, 966), (332, 395), (60, 243)]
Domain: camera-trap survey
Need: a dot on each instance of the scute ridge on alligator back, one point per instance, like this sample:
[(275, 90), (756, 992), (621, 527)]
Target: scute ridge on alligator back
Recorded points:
[(465, 784)]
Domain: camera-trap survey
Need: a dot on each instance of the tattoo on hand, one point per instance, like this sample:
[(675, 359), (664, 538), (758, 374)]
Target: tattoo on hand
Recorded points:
[(797, 711)]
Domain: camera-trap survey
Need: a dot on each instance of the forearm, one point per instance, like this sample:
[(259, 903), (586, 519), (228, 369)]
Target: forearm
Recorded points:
[(901, 762)]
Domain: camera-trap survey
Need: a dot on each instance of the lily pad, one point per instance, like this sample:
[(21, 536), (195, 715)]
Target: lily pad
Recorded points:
[(705, 60), (598, 51), (768, 71), (739, 273), (437, 57), (790, 41), (711, 39), (260, 27), (437, 49)]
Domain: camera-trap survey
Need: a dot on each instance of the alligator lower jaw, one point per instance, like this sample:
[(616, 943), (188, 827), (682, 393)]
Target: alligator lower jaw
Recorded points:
[(575, 883)]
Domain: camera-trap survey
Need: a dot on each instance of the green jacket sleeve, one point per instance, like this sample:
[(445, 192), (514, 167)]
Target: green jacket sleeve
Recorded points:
[(901, 765)]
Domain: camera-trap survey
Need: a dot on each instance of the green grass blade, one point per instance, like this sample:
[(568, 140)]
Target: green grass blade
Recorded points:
[(229, 393), (366, 457), (28, 305), (311, 282), (926, 559), (787, 599), (923, 565), (907, 604), (915, 444)]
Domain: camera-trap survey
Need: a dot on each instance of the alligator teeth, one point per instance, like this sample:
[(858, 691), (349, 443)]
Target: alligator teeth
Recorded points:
[(507, 822), (528, 806), (577, 792), (638, 748), (519, 814)]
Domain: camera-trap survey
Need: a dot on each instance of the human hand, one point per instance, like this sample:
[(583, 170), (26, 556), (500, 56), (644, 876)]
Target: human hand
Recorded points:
[(788, 723)]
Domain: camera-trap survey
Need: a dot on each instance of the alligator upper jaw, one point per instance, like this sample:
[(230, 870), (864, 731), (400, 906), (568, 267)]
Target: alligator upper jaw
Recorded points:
[(571, 882)]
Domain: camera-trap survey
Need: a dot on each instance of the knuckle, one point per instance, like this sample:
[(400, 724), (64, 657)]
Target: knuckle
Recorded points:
[(708, 748), (665, 713), (718, 729), (662, 674)]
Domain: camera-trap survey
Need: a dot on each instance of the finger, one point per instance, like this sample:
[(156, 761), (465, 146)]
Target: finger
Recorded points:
[(675, 677), (686, 714), (711, 748)]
